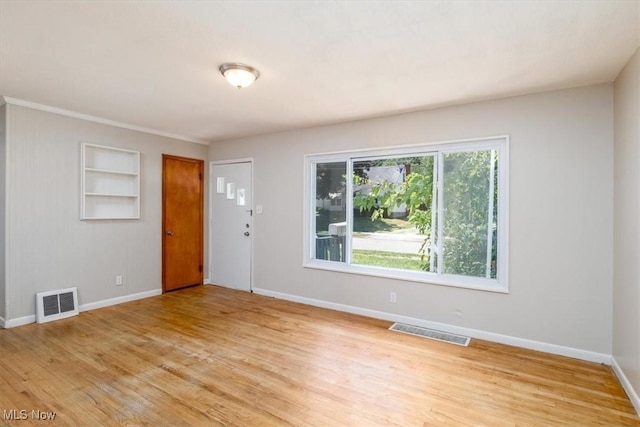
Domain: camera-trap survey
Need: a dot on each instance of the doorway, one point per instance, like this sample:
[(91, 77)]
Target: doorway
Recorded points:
[(231, 224), (182, 222)]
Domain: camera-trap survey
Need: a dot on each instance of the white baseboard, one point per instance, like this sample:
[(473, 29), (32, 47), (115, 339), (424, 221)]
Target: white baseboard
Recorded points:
[(119, 300), (626, 385), (589, 356), (12, 323), (207, 281)]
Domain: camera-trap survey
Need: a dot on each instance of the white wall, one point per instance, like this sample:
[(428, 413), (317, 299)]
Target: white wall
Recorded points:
[(626, 285), (48, 246), (3, 148), (561, 234)]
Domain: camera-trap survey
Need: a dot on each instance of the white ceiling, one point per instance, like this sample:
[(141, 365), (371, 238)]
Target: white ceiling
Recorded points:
[(155, 64)]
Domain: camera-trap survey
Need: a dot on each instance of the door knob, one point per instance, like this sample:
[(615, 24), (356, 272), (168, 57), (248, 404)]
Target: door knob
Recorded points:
[(246, 233), (169, 233)]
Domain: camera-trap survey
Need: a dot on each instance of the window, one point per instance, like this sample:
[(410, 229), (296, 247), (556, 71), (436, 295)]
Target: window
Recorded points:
[(433, 213)]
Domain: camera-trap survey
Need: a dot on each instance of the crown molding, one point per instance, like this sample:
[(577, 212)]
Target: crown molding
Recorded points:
[(87, 117)]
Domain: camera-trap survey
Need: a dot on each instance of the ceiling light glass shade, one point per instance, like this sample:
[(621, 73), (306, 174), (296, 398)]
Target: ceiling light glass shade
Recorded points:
[(239, 75)]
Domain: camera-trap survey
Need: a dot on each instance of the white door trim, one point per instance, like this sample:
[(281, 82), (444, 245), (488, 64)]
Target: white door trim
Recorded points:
[(212, 189), (232, 161)]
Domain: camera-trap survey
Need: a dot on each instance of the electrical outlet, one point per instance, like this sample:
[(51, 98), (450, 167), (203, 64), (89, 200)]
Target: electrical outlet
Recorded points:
[(118, 280), (392, 297)]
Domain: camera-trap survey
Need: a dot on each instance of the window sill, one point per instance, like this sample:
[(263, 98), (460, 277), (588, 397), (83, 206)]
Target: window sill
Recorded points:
[(474, 283)]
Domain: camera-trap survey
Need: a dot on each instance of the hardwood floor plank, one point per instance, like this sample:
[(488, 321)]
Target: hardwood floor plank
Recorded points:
[(217, 357)]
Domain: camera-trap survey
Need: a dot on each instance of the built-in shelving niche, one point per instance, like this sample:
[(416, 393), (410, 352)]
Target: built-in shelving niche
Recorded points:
[(110, 183)]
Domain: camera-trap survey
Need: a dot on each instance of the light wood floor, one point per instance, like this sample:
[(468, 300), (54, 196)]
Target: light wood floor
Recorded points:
[(216, 357)]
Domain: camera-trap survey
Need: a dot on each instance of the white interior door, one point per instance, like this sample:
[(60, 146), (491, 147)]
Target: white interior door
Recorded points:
[(231, 225)]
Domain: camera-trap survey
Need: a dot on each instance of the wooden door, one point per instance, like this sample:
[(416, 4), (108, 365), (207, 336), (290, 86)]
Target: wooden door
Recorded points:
[(182, 221)]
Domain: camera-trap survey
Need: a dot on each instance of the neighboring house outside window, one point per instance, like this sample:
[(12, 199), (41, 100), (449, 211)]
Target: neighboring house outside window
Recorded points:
[(433, 213)]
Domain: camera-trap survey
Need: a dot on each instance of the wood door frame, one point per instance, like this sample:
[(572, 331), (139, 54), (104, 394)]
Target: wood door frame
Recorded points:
[(212, 189), (164, 219)]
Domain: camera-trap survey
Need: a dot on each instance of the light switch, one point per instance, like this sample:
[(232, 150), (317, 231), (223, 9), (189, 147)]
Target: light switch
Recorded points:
[(258, 209)]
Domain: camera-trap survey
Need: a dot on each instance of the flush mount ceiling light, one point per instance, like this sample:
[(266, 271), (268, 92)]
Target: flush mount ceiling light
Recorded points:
[(239, 75)]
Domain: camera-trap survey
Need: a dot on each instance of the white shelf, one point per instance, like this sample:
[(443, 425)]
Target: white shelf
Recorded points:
[(110, 172), (110, 183), (108, 195)]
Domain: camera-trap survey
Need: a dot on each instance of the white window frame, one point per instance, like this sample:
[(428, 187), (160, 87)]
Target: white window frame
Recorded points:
[(499, 143)]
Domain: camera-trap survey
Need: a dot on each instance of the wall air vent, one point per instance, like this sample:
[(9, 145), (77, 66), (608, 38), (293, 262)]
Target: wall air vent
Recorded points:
[(430, 333), (54, 305)]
